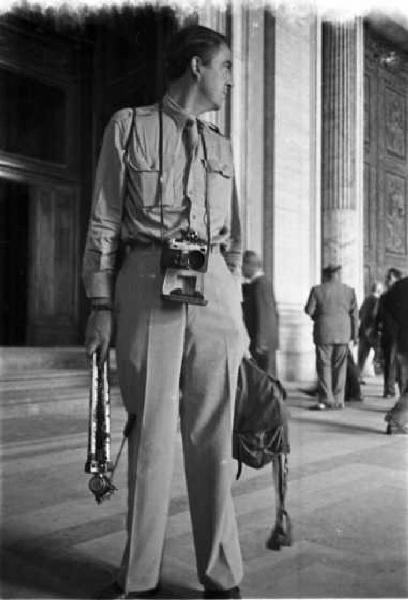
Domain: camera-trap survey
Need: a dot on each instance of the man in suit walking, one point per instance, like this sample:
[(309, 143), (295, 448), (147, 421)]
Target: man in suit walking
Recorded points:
[(367, 333), (260, 313), (333, 307)]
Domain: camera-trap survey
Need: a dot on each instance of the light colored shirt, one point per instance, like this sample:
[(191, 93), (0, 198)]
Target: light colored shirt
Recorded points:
[(254, 277), (126, 201)]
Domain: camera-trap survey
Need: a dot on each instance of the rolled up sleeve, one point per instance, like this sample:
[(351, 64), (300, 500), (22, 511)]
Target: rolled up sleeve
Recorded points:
[(102, 243), (233, 253)]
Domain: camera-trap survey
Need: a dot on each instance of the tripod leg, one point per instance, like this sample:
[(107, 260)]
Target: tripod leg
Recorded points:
[(91, 465)]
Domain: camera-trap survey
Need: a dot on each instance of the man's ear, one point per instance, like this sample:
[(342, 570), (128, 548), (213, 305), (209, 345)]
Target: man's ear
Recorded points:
[(195, 65)]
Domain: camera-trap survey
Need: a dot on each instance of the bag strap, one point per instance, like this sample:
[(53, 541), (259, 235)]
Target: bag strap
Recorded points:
[(281, 534), (132, 126)]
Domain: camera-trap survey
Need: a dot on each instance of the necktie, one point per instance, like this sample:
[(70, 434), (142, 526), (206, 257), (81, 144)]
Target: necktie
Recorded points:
[(191, 138)]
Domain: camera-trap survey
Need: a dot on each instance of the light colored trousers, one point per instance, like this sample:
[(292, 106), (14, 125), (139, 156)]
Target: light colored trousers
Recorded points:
[(331, 367), (163, 347)]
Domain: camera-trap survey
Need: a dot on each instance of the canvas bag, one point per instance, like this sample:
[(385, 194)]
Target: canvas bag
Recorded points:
[(260, 436)]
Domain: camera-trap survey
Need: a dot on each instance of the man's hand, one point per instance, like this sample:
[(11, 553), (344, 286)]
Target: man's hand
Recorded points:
[(98, 333)]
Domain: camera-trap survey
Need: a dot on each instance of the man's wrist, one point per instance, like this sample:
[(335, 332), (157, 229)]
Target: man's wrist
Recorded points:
[(101, 304)]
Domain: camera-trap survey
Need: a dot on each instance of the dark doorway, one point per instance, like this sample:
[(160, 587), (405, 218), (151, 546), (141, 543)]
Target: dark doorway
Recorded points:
[(14, 207)]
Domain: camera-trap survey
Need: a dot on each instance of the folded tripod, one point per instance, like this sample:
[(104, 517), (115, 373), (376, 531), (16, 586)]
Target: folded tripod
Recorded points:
[(99, 462)]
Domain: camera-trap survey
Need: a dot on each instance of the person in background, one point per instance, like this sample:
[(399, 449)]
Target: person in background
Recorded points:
[(386, 329), (367, 332), (332, 306), (396, 305), (260, 313)]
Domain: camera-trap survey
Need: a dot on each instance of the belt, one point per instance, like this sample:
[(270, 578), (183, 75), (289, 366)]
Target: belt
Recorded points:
[(153, 244)]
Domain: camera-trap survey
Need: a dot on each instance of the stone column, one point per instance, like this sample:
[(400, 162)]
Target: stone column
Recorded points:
[(248, 115), (342, 149), (296, 178), (217, 17)]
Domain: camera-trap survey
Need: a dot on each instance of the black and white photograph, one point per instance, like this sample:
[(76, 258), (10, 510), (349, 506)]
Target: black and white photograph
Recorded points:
[(203, 299)]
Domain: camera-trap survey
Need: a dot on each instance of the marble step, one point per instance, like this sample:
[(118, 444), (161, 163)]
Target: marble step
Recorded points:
[(19, 360)]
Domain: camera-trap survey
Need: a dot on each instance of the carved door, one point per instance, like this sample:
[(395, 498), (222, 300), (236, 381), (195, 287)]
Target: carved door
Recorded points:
[(53, 282), (386, 162)]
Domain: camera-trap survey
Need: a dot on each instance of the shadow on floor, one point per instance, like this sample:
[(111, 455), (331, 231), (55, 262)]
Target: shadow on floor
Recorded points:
[(29, 571), (342, 427)]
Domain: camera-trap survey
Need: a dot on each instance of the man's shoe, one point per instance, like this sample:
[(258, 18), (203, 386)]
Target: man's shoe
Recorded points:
[(388, 395), (309, 391), (230, 593), (113, 591), (319, 406), (151, 593)]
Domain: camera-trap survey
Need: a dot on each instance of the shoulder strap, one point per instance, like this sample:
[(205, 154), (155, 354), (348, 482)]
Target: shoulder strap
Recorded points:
[(132, 126), (281, 534)]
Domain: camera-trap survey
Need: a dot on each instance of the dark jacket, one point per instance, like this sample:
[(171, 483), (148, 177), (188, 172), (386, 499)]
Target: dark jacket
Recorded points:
[(333, 308), (395, 305), (385, 324), (368, 315), (260, 314)]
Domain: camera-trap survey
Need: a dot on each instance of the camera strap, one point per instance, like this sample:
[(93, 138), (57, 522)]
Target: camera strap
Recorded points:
[(161, 171)]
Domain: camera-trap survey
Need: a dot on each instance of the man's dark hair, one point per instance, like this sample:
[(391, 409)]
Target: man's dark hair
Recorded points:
[(194, 40), (248, 254)]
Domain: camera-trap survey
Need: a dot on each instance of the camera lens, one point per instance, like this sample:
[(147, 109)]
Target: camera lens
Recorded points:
[(196, 259), (182, 260), (97, 484)]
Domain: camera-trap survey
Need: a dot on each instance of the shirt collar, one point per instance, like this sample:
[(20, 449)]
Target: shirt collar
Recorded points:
[(177, 112), (257, 275)]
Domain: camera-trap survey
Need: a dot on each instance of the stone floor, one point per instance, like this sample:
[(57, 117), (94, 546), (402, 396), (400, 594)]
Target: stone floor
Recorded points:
[(347, 499)]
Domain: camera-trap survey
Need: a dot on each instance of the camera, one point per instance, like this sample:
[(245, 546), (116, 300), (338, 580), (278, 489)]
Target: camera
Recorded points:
[(184, 262), (187, 253)]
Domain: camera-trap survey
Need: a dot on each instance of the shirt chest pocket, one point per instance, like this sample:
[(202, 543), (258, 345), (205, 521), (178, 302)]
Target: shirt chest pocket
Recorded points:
[(220, 177), (144, 184)]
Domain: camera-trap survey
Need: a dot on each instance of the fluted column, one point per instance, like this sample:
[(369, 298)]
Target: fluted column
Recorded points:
[(342, 149), (215, 16)]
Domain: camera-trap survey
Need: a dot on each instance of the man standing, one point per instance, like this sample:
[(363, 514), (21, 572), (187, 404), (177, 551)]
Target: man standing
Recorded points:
[(367, 334), (333, 308), (165, 175), (260, 314), (387, 332)]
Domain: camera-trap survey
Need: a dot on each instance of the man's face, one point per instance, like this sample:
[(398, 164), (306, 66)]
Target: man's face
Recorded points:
[(250, 266), (216, 78)]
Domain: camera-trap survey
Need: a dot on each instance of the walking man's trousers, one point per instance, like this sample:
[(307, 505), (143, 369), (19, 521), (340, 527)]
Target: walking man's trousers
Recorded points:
[(162, 347), (331, 366)]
